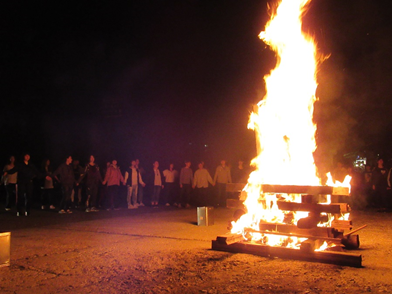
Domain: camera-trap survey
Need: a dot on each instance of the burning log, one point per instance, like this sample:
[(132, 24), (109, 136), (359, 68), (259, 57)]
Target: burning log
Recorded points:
[(315, 232), (331, 257), (310, 245), (305, 189), (290, 189), (229, 238), (341, 224), (330, 235), (312, 221), (334, 208), (323, 238), (338, 208)]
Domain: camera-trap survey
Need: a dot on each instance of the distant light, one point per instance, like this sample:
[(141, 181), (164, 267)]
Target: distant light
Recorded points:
[(206, 145)]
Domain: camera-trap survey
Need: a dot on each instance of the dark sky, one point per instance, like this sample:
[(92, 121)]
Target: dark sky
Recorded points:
[(159, 80)]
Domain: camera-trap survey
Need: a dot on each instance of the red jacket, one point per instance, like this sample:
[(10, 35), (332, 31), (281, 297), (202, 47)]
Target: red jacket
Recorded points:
[(113, 176)]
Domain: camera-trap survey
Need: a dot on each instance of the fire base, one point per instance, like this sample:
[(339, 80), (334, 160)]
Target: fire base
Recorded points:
[(329, 257)]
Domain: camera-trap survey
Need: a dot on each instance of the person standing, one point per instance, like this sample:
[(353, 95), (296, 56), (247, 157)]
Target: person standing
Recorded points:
[(156, 183), (47, 188), (10, 181), (140, 193), (78, 171), (67, 182), (240, 174), (186, 180), (170, 185), (103, 189), (380, 186), (133, 179), (26, 173), (113, 179), (367, 187), (201, 182), (221, 178), (92, 172)]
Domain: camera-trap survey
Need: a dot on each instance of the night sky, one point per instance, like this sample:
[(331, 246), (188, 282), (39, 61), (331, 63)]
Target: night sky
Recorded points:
[(159, 80)]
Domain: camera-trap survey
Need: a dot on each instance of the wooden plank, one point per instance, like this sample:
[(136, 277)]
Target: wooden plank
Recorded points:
[(344, 207), (229, 238), (341, 224), (324, 238), (355, 230), (298, 189), (284, 228), (310, 245), (305, 189), (338, 258), (315, 208), (340, 191), (337, 208)]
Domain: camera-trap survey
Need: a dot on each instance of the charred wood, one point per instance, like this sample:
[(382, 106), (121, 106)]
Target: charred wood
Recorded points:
[(324, 238), (283, 228), (229, 238), (298, 189), (310, 245), (338, 258), (351, 241), (314, 208)]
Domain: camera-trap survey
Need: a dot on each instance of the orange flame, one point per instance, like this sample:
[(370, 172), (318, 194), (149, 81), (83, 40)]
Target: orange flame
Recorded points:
[(283, 122)]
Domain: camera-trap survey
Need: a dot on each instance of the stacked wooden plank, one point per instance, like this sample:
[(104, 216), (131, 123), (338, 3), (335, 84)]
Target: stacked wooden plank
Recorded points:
[(339, 236)]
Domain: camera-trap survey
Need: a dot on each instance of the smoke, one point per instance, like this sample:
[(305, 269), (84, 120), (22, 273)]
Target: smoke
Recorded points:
[(353, 113)]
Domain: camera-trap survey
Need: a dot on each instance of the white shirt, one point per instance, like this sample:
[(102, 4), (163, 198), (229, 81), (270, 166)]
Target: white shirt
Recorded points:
[(170, 176)]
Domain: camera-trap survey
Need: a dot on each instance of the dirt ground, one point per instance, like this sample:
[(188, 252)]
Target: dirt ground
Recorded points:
[(163, 250)]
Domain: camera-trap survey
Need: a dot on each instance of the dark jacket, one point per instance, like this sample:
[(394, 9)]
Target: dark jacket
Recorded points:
[(150, 178), (47, 172), (93, 175), (26, 172), (66, 175)]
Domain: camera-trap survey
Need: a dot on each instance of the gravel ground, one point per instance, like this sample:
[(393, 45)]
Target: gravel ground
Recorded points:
[(162, 250)]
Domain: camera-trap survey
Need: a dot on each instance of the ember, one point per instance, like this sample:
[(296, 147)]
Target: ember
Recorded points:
[(288, 213)]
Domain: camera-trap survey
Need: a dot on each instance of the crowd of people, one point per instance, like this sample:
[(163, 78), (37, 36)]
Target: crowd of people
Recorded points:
[(370, 188), (92, 188), (72, 186)]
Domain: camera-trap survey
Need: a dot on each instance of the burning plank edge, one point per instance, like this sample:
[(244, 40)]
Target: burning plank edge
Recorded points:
[(337, 258), (288, 229), (299, 189), (327, 208), (329, 239), (333, 208), (305, 189)]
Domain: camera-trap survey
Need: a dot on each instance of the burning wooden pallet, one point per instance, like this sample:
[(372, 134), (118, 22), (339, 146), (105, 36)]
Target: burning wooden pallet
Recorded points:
[(339, 237)]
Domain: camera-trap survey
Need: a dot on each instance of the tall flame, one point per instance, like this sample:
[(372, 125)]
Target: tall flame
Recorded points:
[(283, 122)]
